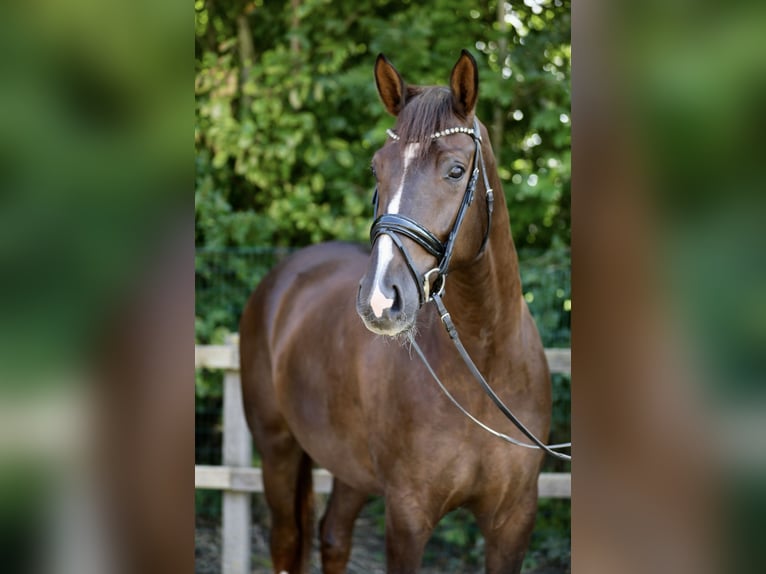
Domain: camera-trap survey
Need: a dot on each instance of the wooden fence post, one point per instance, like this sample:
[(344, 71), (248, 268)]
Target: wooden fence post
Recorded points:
[(237, 451)]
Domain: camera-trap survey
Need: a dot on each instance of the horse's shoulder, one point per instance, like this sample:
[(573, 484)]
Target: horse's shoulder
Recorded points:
[(325, 267), (314, 287), (331, 250), (317, 261)]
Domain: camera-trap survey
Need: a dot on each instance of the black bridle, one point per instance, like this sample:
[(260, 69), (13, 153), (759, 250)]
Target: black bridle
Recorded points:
[(394, 224), (431, 289)]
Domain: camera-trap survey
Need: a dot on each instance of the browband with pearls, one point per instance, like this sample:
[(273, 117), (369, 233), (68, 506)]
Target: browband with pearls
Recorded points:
[(447, 132)]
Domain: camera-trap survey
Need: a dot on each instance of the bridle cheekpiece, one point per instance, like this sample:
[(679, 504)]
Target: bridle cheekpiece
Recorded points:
[(394, 224)]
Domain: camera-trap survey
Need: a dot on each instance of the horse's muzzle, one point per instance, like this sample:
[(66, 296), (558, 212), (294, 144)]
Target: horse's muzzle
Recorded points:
[(383, 311)]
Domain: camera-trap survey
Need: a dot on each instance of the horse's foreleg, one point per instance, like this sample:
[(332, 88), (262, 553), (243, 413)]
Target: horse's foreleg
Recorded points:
[(289, 494), (409, 522), (337, 526), (507, 534)]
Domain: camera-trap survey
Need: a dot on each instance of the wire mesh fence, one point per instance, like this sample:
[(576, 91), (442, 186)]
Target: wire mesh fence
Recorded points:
[(224, 279)]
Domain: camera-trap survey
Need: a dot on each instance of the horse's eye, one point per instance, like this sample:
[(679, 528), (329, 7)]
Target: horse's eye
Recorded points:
[(456, 172), (374, 173)]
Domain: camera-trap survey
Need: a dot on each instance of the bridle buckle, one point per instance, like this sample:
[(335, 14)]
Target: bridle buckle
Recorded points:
[(427, 283)]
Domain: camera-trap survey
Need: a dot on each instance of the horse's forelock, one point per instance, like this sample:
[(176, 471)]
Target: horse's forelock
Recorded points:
[(427, 111)]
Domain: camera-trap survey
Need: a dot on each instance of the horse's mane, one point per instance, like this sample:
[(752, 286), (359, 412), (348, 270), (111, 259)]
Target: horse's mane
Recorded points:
[(428, 109)]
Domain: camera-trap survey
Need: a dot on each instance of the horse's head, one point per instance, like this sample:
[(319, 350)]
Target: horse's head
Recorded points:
[(425, 174)]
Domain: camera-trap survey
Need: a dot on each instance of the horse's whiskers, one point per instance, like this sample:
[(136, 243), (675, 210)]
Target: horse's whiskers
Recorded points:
[(405, 337)]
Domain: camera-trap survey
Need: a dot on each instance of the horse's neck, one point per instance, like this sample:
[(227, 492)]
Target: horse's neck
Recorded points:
[(486, 296)]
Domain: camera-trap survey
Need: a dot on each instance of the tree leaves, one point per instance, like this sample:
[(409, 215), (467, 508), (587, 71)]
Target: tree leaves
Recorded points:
[(313, 118)]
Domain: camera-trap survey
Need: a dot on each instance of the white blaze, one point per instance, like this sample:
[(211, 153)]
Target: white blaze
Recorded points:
[(379, 302)]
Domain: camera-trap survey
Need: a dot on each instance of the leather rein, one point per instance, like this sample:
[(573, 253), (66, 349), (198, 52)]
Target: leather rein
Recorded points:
[(431, 284)]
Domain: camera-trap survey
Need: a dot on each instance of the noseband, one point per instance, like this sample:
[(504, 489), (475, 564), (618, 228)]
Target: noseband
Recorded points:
[(394, 224)]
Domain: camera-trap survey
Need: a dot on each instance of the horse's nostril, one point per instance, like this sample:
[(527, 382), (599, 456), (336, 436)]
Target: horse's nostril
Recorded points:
[(396, 306)]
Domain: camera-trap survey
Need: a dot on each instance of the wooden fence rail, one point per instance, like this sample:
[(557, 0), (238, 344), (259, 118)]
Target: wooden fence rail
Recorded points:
[(238, 480)]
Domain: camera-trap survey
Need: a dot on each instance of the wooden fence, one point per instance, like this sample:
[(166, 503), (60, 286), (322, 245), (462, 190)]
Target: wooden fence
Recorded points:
[(237, 479)]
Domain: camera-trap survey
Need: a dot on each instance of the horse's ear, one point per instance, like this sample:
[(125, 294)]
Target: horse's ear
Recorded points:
[(390, 85), (464, 83)]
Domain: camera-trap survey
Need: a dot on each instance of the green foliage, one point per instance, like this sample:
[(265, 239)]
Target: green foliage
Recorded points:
[(546, 278), (224, 278), (456, 531), (288, 117), (550, 544), (207, 503)]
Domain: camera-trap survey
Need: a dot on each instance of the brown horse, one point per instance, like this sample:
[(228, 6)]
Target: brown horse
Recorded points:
[(320, 385)]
